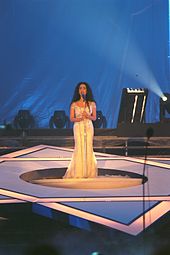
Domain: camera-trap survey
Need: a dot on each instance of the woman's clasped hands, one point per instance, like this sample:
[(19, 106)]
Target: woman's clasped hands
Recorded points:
[(85, 115)]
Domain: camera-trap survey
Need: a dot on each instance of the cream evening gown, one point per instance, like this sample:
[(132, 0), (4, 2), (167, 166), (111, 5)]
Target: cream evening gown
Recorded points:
[(83, 163)]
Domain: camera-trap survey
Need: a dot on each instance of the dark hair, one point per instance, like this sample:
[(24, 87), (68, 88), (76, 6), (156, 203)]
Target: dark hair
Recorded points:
[(89, 95)]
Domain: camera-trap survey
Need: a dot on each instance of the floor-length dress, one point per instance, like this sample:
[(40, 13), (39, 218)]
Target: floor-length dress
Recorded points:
[(83, 163)]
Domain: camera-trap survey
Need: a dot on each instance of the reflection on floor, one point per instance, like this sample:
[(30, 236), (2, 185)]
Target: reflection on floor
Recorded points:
[(109, 211)]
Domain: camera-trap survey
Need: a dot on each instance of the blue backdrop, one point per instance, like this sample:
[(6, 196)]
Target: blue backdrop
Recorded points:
[(48, 46)]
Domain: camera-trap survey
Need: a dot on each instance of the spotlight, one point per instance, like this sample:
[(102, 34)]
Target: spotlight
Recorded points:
[(59, 120), (96, 253), (164, 98), (100, 120), (164, 106), (24, 120)]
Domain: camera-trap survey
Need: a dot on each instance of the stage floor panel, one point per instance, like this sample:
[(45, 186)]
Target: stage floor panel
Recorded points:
[(122, 208)]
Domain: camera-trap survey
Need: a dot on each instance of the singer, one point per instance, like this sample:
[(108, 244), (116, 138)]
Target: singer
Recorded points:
[(82, 112)]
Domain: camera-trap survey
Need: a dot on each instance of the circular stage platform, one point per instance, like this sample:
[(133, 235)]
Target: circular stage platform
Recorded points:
[(107, 179)]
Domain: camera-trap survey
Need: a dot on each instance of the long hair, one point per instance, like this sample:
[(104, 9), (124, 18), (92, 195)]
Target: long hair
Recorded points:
[(89, 95)]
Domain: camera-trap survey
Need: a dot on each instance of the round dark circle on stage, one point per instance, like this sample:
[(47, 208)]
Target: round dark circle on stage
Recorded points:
[(106, 179)]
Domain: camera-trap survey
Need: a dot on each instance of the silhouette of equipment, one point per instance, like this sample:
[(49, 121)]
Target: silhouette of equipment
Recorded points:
[(100, 121), (59, 120), (24, 120)]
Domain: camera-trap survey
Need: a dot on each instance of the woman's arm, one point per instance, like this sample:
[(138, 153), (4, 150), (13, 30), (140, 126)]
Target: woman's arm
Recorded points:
[(72, 115), (91, 116)]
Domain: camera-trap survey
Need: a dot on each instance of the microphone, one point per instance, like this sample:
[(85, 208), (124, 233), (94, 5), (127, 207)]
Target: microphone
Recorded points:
[(83, 96)]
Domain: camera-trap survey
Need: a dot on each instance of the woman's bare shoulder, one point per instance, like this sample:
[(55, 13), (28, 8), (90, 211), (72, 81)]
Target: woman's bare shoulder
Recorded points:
[(92, 103), (74, 104)]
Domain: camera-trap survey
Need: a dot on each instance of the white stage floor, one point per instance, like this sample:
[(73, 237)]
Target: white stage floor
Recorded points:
[(118, 208)]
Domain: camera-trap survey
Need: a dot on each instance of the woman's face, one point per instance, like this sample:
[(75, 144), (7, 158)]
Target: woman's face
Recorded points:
[(82, 89)]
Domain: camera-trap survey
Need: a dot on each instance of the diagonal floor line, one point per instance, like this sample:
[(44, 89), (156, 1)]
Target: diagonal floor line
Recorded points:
[(33, 199), (134, 228), (134, 160)]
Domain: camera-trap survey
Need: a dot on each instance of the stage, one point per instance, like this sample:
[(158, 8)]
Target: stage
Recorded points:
[(120, 207), (126, 139)]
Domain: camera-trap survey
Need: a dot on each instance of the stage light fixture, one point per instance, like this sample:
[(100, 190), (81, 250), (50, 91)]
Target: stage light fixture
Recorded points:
[(165, 107), (133, 104), (100, 121), (164, 98), (24, 120), (59, 120)]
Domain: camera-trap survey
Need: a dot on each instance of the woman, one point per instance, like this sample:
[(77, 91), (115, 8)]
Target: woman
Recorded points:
[(82, 113)]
